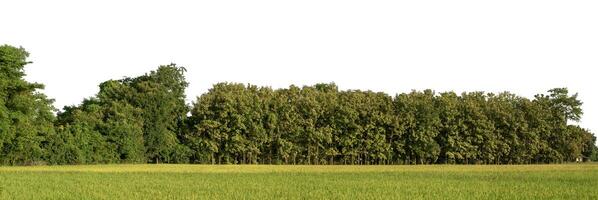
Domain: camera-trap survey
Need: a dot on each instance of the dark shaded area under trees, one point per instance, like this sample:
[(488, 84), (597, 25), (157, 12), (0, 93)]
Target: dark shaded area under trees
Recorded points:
[(145, 120)]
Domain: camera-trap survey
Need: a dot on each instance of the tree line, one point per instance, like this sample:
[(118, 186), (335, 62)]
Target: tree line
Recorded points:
[(145, 119)]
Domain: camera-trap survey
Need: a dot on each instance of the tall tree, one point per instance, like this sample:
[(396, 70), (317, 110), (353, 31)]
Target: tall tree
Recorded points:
[(421, 125), (453, 148), (25, 114), (160, 95)]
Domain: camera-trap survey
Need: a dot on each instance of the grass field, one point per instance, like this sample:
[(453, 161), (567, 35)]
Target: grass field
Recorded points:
[(570, 181)]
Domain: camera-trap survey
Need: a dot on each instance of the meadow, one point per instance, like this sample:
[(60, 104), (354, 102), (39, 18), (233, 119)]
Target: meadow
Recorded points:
[(568, 181)]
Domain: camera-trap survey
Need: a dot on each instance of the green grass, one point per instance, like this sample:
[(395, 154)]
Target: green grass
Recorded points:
[(570, 181)]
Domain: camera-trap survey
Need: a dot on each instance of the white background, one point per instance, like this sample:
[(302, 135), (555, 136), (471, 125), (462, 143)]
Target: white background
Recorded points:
[(526, 47)]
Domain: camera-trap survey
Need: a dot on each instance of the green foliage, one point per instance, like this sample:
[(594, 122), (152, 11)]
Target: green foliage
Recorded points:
[(133, 120), (144, 119), (319, 124), (420, 123), (594, 155), (25, 115), (161, 97)]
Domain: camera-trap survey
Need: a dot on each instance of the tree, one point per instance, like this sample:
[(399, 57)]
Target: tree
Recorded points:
[(450, 138), (478, 129), (25, 114), (161, 97), (82, 125), (421, 123)]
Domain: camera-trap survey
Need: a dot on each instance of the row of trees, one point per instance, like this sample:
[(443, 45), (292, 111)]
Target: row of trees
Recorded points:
[(145, 119), (319, 124)]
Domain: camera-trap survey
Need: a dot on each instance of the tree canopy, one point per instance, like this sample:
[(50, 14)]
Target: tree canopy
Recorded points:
[(145, 119), (26, 115)]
